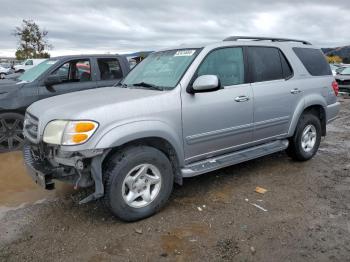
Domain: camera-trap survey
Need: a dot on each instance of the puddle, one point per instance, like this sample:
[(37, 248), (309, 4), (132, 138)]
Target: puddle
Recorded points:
[(17, 188)]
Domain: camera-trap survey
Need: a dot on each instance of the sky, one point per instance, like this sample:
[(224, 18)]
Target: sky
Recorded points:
[(123, 26)]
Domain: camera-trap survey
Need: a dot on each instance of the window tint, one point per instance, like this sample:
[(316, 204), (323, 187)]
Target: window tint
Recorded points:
[(226, 63), (265, 64), (286, 68), (109, 68), (74, 71), (313, 60)]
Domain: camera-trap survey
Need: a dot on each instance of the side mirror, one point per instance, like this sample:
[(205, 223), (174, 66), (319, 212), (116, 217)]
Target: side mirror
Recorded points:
[(206, 83), (52, 80)]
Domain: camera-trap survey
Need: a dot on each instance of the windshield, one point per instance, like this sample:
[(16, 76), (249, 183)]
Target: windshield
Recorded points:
[(346, 71), (162, 69), (33, 73)]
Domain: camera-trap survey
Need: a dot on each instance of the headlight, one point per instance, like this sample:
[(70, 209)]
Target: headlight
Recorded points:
[(60, 132)]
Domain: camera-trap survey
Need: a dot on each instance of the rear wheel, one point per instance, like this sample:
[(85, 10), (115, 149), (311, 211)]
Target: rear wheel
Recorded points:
[(306, 140), (11, 132), (138, 182)]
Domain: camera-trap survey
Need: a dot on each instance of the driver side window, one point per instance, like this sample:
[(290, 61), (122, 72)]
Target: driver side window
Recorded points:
[(74, 71), (226, 63)]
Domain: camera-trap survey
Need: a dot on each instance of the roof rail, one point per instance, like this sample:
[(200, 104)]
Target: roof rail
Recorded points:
[(272, 39)]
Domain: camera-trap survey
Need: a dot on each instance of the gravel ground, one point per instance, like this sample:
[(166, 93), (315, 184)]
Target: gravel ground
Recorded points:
[(210, 218)]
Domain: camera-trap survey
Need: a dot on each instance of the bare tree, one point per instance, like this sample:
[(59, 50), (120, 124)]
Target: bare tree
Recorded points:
[(32, 42)]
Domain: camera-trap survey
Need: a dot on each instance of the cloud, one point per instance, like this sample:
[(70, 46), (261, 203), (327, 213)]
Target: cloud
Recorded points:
[(89, 26)]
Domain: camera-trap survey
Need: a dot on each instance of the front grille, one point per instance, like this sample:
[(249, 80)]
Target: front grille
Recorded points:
[(31, 127)]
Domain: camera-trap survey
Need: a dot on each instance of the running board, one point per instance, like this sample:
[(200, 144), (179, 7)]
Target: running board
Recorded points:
[(215, 163)]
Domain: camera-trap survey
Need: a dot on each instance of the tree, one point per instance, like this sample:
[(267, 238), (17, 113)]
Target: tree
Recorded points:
[(32, 42), (334, 59)]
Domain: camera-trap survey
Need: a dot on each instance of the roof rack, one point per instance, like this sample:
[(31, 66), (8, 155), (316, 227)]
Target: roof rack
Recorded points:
[(258, 38)]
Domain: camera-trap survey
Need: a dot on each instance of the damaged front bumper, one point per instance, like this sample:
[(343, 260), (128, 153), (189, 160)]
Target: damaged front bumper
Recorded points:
[(82, 169)]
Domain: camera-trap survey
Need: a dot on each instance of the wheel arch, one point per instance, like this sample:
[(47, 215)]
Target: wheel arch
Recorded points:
[(318, 109), (159, 143), (17, 111)]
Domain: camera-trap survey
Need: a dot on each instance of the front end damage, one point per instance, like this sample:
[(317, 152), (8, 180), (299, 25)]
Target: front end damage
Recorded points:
[(46, 163)]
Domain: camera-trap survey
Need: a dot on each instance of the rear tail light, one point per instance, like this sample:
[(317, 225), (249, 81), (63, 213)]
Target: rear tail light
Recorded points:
[(335, 87)]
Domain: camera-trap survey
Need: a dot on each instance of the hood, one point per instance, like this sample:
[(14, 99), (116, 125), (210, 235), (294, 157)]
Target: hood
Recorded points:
[(104, 105), (8, 81), (7, 86)]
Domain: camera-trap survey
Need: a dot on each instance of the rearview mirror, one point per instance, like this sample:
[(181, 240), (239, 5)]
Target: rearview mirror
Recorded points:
[(52, 80), (206, 83)]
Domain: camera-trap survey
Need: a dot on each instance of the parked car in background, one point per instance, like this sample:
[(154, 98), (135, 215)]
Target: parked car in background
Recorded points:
[(4, 71), (334, 68), (341, 68), (182, 112), (52, 77), (343, 79), (27, 64)]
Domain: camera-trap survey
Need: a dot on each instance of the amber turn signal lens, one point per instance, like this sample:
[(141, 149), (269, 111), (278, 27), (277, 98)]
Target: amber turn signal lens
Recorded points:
[(79, 138), (84, 127)]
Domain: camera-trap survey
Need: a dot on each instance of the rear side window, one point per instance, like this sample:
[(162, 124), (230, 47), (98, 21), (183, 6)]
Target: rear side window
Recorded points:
[(313, 60), (109, 69), (265, 64)]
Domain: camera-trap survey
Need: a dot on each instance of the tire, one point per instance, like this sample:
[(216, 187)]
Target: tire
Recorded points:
[(11, 132), (122, 185), (2, 75), (300, 150)]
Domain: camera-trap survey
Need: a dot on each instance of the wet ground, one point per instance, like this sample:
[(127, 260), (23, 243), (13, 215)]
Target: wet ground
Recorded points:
[(305, 214)]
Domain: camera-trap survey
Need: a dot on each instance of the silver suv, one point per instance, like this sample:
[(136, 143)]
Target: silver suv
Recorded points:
[(182, 112)]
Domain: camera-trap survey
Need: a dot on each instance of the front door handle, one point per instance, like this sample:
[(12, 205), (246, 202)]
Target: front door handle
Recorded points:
[(241, 99), (295, 91)]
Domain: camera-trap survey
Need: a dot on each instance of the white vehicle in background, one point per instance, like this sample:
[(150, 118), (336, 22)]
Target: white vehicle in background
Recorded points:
[(334, 68), (27, 64), (4, 71)]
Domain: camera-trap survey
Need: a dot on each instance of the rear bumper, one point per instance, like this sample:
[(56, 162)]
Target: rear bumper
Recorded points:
[(332, 111)]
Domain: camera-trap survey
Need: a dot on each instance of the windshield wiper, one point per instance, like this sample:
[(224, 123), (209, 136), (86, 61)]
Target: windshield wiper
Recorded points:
[(122, 85), (150, 86)]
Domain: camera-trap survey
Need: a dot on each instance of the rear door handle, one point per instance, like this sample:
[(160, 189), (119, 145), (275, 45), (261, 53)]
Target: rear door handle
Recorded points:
[(295, 91), (241, 99)]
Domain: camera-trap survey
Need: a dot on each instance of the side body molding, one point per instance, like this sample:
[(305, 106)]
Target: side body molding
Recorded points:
[(128, 132)]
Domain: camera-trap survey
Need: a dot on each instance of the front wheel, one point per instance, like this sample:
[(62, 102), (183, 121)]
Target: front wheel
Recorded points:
[(306, 140), (138, 182), (11, 132), (2, 75)]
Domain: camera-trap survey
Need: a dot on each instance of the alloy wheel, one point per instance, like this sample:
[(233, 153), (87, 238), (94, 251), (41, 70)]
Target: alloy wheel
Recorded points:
[(141, 185), (11, 134), (308, 138)]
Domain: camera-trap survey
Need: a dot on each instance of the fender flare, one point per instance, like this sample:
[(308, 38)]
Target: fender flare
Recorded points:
[(310, 100), (129, 132)]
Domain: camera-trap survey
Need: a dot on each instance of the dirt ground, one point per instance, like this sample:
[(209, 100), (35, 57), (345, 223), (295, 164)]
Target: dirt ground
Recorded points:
[(210, 218)]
